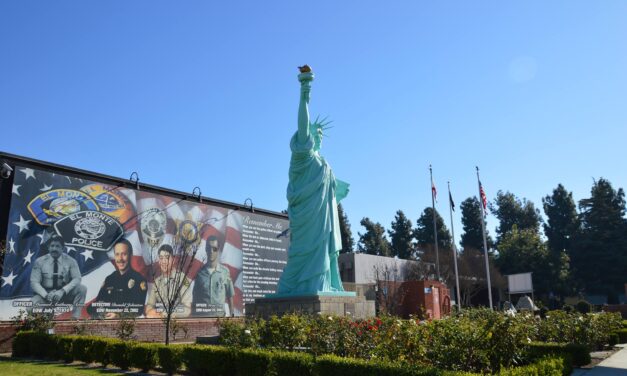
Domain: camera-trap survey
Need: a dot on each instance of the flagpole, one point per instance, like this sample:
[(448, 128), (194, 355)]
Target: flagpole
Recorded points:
[(435, 229), (485, 243), (450, 205)]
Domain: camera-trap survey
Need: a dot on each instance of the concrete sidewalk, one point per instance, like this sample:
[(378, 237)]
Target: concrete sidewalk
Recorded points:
[(614, 365)]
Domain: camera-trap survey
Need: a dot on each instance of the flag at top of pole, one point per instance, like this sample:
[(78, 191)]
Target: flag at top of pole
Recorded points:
[(450, 200), (484, 199)]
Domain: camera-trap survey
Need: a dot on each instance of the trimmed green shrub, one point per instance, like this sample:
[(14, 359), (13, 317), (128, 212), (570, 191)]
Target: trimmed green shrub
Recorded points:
[(20, 346), (99, 349), (64, 348), (81, 348), (577, 355), (202, 360), (119, 354), (622, 335), (253, 362), (170, 358), (335, 365), (143, 356), (583, 306), (624, 324), (292, 363), (40, 344)]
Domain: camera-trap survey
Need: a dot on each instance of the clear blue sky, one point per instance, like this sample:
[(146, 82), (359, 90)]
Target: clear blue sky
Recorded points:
[(199, 93)]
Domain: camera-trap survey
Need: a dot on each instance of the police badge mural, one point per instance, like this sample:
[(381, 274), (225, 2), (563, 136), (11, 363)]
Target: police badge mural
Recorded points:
[(104, 239)]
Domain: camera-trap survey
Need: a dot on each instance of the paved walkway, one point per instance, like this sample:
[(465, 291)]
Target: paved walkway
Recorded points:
[(615, 365)]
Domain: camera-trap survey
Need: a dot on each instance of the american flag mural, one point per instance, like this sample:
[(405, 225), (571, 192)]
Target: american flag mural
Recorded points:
[(90, 217)]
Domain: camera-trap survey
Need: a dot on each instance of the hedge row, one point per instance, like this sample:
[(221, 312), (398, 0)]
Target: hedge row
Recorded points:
[(622, 335), (200, 360)]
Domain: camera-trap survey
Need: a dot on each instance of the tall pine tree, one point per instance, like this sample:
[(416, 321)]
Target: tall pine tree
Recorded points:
[(424, 230), (599, 257), (345, 231), (510, 211), (472, 237), (560, 228), (373, 241), (401, 236)]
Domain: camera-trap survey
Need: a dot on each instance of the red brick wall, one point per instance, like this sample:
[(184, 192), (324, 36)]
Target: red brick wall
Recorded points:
[(147, 330)]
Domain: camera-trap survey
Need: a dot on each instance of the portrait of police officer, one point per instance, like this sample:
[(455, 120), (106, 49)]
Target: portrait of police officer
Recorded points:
[(123, 292), (213, 286), (168, 286), (56, 279)]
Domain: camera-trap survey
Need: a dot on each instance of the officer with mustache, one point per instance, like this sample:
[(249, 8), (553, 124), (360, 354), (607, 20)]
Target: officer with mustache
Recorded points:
[(123, 292)]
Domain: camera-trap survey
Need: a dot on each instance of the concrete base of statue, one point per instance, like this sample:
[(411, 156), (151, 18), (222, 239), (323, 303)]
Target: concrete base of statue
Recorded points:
[(336, 304)]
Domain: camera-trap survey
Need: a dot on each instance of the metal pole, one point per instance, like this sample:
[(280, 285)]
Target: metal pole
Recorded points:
[(485, 243), (435, 228), (459, 299)]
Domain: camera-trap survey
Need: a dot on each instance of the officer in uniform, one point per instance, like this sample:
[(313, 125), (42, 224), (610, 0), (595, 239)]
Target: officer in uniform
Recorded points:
[(123, 292), (56, 279), (168, 285), (213, 286)]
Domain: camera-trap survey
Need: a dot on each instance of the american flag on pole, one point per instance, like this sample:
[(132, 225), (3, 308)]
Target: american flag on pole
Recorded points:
[(484, 199)]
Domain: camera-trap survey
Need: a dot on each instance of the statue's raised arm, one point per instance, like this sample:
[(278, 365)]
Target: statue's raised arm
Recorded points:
[(305, 77)]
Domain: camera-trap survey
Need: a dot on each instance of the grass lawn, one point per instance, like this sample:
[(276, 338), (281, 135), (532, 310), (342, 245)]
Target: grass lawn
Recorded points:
[(35, 368)]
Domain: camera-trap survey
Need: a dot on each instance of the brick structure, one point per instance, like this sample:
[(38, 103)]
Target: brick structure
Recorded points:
[(429, 298)]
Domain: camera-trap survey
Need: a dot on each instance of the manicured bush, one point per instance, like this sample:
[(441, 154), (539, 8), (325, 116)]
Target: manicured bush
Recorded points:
[(64, 348), (292, 363), (143, 356), (81, 348), (253, 362), (120, 354), (285, 332), (170, 358), (40, 344), (20, 346), (622, 335), (577, 354), (583, 306), (335, 365), (624, 324), (203, 360), (99, 349)]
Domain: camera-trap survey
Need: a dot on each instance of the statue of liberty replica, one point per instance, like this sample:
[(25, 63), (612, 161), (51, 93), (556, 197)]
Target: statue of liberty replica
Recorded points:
[(310, 282), (312, 194)]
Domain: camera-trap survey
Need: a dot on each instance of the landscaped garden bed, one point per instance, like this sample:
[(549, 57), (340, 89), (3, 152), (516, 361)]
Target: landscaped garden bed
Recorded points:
[(473, 342)]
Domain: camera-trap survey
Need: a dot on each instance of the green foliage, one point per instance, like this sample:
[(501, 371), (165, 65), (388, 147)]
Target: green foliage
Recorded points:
[(348, 243), (253, 362), (120, 354), (37, 322), (402, 238), (577, 354), (334, 365), (170, 357), (510, 211), (291, 363), (203, 360), (285, 332), (622, 335), (423, 233), (124, 329), (235, 333), (373, 241), (583, 306), (472, 236), (143, 356), (20, 345), (592, 330), (64, 348), (81, 349), (599, 254)]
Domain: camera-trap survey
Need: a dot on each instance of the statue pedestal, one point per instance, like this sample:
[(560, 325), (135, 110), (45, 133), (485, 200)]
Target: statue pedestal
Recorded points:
[(338, 305)]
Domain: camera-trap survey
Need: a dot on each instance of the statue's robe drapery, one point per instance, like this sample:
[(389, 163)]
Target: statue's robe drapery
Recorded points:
[(315, 240)]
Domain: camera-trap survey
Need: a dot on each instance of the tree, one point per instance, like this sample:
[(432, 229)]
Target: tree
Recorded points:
[(424, 230), (345, 231), (510, 211), (472, 275), (562, 225), (389, 295), (599, 256), (522, 251), (171, 264), (472, 237), (373, 241), (401, 236)]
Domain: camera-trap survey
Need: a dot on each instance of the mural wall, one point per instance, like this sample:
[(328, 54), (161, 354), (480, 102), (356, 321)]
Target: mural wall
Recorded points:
[(82, 249)]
